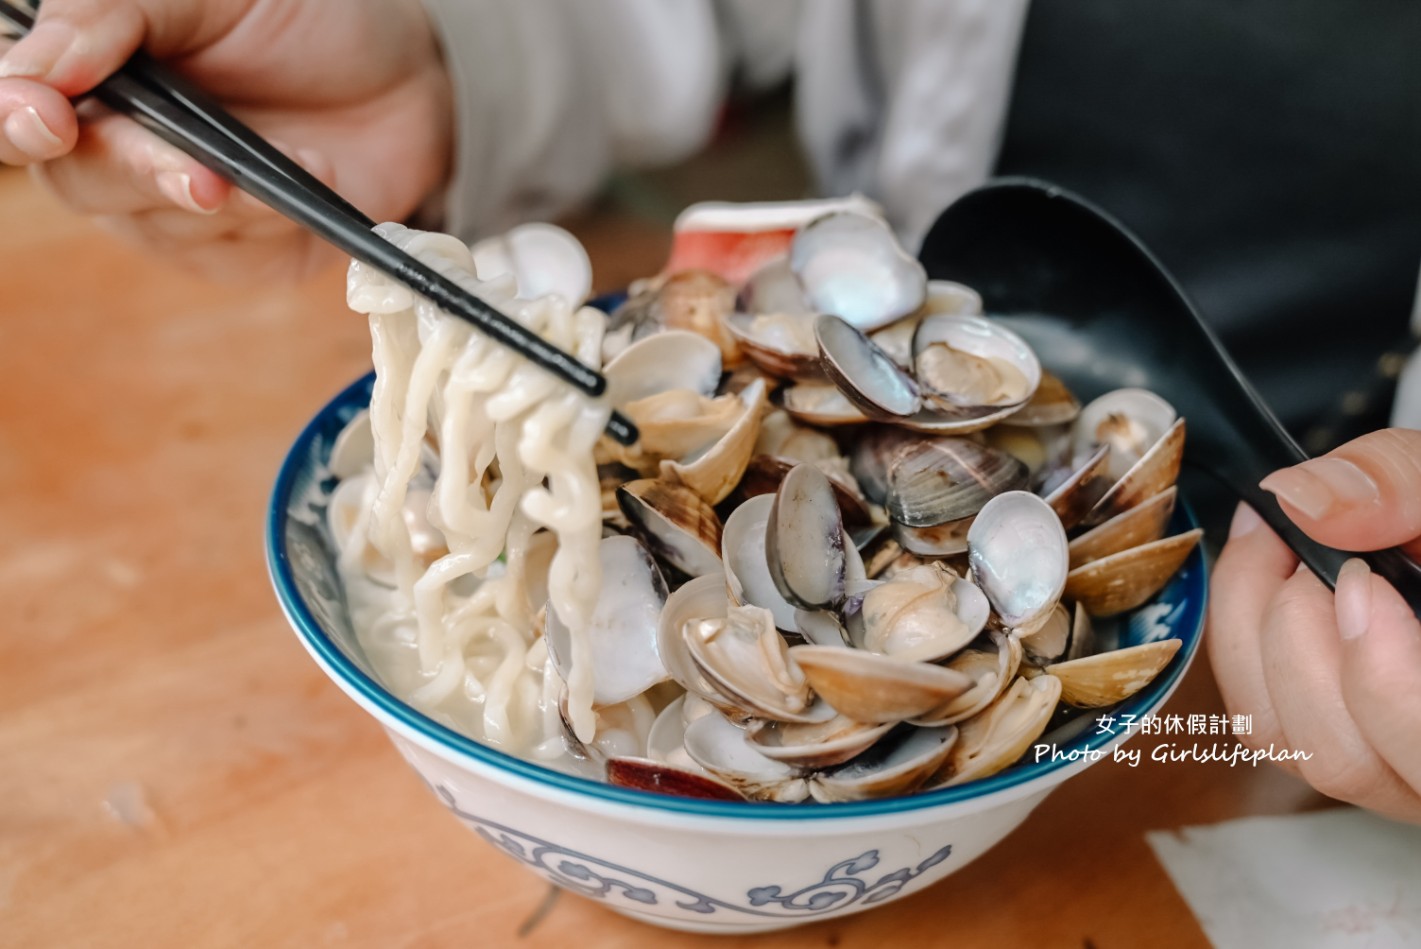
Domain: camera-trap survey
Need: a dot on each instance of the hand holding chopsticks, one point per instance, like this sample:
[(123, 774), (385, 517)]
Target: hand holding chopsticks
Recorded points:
[(187, 118)]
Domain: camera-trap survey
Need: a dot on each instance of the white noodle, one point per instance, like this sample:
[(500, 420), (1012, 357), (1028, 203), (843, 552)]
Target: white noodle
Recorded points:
[(455, 636)]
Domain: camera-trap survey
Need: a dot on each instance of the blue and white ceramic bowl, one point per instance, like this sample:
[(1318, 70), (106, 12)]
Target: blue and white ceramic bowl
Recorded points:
[(707, 866)]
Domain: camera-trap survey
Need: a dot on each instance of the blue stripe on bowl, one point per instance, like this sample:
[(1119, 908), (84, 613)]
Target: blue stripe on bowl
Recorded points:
[(292, 540)]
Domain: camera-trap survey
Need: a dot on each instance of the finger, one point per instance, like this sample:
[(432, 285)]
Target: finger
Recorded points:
[(36, 123), (1381, 667), (1302, 661), (1365, 495), (77, 43), (1251, 568), (118, 167)]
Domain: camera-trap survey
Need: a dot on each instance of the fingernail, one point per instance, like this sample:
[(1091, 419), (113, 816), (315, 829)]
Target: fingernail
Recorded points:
[(1353, 599), (27, 132), (177, 188), (36, 55), (1316, 487), (1246, 521)]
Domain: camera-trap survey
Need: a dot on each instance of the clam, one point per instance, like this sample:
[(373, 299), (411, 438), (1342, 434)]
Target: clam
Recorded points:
[(699, 301), (900, 763), (745, 658), (1126, 580), (816, 744), (1002, 732), (1109, 677), (942, 419), (850, 264), (1130, 421), (699, 599), (816, 403), (944, 296), (644, 774), (969, 361), (747, 570), (714, 471), (774, 289), (934, 481), (781, 344), (1141, 524), (676, 423), (721, 749), (1155, 471), (783, 437), (804, 540), (991, 666), (1076, 493), (674, 359), (674, 523), (864, 373), (666, 741), (871, 688), (1018, 553), (925, 613), (622, 634), (543, 258), (1066, 634)]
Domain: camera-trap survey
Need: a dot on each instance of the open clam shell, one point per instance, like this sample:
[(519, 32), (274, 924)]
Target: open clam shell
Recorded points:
[(1066, 634), (1130, 421), (679, 528), (871, 688), (1141, 524), (969, 361), (699, 301), (721, 749), (666, 741), (674, 359), (781, 344), (622, 632), (699, 599), (745, 658), (814, 745), (1126, 580), (747, 569), (1017, 549), (899, 763), (774, 288), (1109, 677), (714, 473), (1002, 732), (850, 264), (821, 628), (936, 480), (872, 456), (991, 666), (805, 541), (864, 373)]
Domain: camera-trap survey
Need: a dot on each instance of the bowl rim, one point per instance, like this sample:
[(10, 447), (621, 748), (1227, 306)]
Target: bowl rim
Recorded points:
[(356, 682)]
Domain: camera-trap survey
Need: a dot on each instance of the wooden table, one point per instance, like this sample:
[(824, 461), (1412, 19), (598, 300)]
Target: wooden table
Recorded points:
[(174, 771)]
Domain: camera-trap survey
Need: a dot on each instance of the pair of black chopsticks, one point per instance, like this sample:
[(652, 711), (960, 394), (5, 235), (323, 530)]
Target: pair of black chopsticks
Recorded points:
[(186, 117)]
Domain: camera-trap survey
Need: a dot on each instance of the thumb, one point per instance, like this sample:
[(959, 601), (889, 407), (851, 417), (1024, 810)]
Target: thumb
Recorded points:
[(1365, 495), (76, 44)]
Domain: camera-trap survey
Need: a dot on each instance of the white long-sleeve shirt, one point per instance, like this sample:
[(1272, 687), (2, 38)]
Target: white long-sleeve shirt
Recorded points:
[(553, 94)]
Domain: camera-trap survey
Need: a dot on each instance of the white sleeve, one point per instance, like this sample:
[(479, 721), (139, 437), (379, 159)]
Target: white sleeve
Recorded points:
[(550, 95)]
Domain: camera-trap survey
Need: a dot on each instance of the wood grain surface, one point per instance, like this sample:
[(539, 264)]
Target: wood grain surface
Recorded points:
[(174, 770)]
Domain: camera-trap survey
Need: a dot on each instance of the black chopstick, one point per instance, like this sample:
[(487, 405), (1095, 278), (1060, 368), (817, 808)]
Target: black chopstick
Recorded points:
[(185, 117)]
